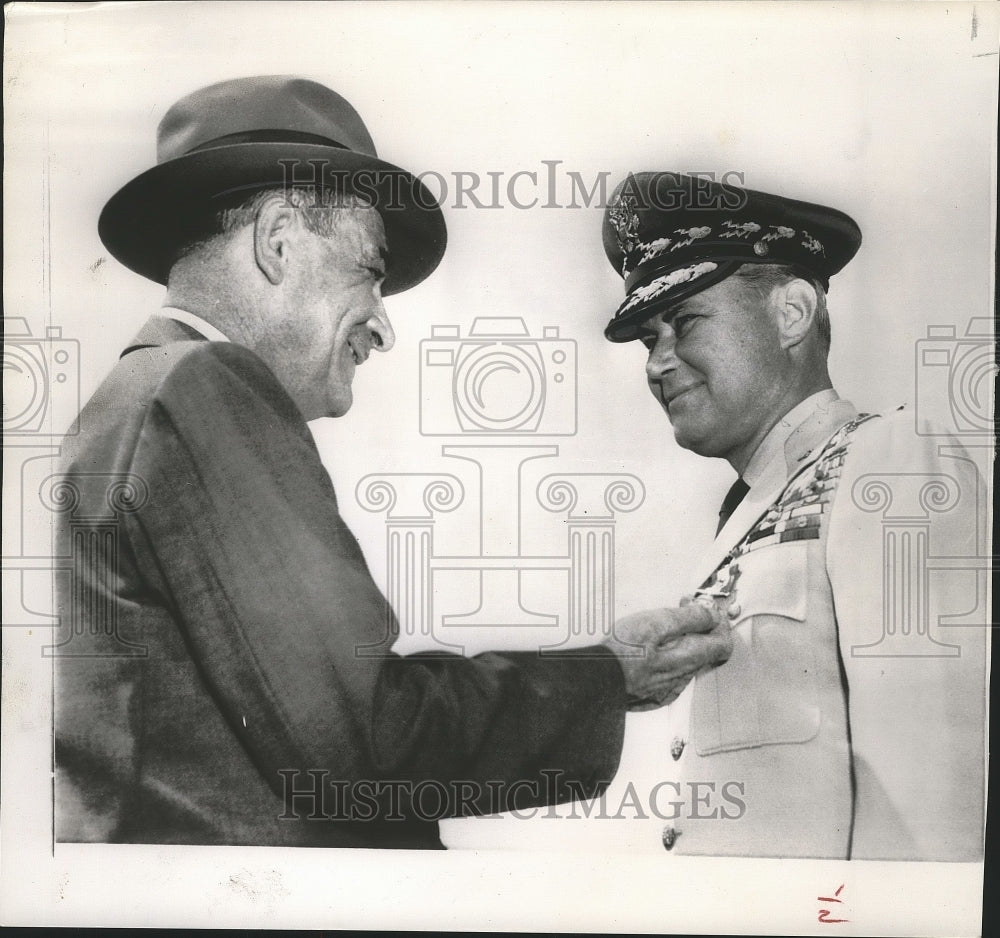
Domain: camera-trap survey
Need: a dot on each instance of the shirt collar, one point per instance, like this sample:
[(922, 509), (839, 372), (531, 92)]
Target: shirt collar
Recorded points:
[(210, 332), (773, 444)]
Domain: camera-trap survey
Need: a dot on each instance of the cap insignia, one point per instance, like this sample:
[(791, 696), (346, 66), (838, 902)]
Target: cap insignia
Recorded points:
[(691, 235), (651, 249), (811, 244), (624, 217), (734, 230), (661, 284), (778, 231)]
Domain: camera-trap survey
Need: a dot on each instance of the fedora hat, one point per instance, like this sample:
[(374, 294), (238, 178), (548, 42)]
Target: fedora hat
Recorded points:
[(220, 144)]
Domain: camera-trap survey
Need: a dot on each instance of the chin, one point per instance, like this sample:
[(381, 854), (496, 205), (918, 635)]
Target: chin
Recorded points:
[(340, 404), (697, 445)]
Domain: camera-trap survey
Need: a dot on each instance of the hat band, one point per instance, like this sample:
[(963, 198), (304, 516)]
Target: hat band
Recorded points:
[(268, 136)]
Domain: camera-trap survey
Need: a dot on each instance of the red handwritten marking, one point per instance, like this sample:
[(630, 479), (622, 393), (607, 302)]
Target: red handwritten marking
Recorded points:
[(824, 914)]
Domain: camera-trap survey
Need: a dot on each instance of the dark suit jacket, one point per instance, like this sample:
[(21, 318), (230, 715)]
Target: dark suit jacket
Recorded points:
[(224, 646)]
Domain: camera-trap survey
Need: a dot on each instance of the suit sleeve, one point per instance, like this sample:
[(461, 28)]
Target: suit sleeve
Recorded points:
[(243, 538), (905, 560)]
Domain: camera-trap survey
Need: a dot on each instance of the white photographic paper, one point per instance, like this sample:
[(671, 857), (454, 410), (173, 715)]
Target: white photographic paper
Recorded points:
[(502, 430)]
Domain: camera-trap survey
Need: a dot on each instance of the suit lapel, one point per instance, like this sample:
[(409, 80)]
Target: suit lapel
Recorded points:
[(801, 448)]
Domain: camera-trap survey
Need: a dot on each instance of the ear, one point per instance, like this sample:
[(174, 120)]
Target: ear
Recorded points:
[(795, 306), (273, 229)]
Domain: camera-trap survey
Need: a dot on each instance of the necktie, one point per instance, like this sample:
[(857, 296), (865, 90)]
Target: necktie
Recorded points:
[(730, 503)]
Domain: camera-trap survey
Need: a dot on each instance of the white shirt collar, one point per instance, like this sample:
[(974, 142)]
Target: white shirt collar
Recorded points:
[(774, 443), (209, 331)]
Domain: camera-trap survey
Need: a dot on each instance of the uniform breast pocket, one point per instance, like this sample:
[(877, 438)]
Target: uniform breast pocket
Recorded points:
[(767, 693)]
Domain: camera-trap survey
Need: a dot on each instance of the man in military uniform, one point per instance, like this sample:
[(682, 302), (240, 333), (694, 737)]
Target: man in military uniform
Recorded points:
[(850, 714)]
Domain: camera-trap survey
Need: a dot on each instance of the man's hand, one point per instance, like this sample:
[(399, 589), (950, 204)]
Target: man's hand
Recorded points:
[(660, 650)]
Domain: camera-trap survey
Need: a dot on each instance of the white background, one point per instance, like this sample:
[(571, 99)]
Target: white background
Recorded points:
[(886, 111)]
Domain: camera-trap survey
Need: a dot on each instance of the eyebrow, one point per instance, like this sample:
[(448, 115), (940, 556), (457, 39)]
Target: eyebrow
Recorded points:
[(682, 307)]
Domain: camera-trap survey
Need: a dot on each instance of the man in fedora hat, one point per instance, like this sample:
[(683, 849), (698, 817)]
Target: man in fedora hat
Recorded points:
[(228, 676), (849, 714)]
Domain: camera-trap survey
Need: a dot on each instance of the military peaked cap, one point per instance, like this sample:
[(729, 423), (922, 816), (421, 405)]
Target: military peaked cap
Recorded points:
[(671, 235)]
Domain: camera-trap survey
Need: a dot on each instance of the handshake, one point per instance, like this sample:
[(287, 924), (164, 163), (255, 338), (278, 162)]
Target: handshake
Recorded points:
[(660, 650)]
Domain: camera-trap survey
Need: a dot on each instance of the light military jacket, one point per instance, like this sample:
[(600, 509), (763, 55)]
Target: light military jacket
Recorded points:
[(849, 721)]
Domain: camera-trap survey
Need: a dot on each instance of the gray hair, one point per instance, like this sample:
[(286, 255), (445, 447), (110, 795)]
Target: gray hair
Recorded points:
[(765, 277), (324, 213)]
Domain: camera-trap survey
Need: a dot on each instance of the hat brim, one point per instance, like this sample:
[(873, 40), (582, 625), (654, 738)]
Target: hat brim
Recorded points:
[(149, 219)]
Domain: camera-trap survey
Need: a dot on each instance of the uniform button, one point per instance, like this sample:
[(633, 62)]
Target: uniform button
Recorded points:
[(676, 748), (761, 248), (670, 835), (734, 610)]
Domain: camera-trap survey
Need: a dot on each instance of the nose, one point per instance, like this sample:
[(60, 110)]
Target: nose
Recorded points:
[(661, 356), (379, 328)]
